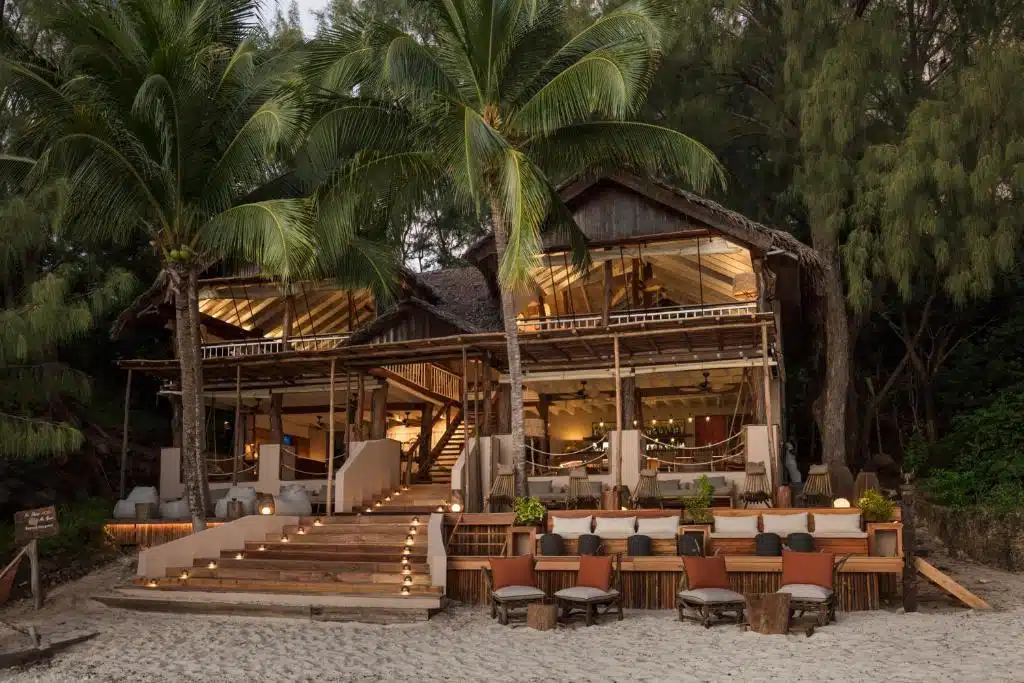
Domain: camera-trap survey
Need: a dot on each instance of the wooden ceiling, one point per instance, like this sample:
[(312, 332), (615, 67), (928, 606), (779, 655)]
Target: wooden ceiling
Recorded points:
[(314, 310), (682, 272)]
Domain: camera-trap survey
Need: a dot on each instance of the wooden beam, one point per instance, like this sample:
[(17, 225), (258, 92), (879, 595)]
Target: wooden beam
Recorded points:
[(607, 304), (239, 438), (949, 585), (330, 444), (768, 404), (124, 434), (618, 420)]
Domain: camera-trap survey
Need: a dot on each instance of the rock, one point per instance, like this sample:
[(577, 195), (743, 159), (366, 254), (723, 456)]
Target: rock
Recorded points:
[(983, 581), (901, 610)]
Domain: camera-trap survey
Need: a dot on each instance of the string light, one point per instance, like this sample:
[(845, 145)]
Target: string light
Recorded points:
[(369, 510), (152, 584), (409, 540), (412, 531), (440, 508), (456, 507), (266, 510), (707, 418), (690, 418), (301, 531), (415, 521), (406, 571), (405, 590), (407, 581), (387, 499), (671, 421), (405, 551), (377, 504)]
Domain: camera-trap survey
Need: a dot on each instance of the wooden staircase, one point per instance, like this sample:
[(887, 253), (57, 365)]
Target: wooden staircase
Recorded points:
[(418, 499), (345, 555), (440, 471)]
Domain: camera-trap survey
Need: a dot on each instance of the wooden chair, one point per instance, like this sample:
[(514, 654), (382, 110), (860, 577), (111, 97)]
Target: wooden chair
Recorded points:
[(812, 597), (647, 492), (503, 490), (708, 603), (589, 601), (580, 492), (507, 598)]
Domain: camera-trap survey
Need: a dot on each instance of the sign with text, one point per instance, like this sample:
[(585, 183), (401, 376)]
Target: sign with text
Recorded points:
[(38, 523)]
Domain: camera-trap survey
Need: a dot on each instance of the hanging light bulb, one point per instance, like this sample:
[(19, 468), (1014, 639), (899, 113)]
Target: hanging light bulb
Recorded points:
[(653, 422), (440, 508), (377, 504), (368, 510), (409, 540), (407, 581), (387, 499), (456, 507), (671, 421), (690, 418), (284, 539), (397, 492), (301, 531), (707, 418), (152, 584), (415, 521), (406, 571), (412, 531), (405, 551)]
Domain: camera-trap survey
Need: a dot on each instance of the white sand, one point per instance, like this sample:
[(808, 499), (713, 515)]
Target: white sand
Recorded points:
[(465, 645)]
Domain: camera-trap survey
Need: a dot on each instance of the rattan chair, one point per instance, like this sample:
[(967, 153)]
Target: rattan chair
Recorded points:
[(757, 489), (580, 493), (503, 490), (817, 600), (818, 487), (504, 600), (648, 493)]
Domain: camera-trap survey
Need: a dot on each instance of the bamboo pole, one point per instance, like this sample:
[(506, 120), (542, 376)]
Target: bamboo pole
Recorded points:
[(124, 435), (618, 420), (330, 444), (768, 404), (239, 434)]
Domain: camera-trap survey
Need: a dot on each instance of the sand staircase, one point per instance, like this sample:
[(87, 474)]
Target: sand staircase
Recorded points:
[(344, 567)]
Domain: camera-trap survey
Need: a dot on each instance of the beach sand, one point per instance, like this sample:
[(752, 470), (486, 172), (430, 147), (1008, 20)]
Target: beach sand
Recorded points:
[(942, 642)]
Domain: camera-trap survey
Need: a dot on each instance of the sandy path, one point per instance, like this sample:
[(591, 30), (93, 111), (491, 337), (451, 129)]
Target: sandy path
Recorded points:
[(464, 645)]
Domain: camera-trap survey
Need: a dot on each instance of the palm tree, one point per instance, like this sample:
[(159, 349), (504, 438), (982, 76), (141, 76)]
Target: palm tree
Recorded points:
[(167, 124), (497, 105)]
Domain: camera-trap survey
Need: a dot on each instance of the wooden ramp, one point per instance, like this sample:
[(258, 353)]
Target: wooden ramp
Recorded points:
[(947, 584)]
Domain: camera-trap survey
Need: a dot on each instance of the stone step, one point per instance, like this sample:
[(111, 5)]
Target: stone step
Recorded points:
[(257, 586)]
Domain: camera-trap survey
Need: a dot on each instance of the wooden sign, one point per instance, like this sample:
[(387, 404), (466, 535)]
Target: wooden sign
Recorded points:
[(38, 523)]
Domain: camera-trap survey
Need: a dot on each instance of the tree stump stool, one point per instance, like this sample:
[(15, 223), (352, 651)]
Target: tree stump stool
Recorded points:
[(541, 617), (768, 613)]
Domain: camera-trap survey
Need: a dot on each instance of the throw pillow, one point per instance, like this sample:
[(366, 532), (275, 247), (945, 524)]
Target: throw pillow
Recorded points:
[(809, 568), (705, 572), (595, 571), (512, 571)]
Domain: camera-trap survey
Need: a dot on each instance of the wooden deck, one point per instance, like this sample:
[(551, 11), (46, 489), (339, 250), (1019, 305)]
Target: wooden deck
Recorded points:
[(146, 534)]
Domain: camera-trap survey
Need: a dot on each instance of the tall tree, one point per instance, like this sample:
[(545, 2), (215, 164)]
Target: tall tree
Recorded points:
[(502, 102), (165, 121)]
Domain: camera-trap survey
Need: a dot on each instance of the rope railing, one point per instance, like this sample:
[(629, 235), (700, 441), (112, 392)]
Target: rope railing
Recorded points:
[(733, 455), (567, 466), (683, 447), (293, 468)]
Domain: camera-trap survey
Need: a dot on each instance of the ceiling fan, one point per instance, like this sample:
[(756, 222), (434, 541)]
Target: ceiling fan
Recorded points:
[(582, 391), (319, 422), (705, 386)]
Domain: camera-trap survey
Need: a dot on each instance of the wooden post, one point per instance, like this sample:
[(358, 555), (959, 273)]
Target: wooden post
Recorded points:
[(618, 421), (426, 437), (277, 400), (350, 412), (768, 405), (487, 397), (36, 582), (607, 305), (629, 401), (465, 399), (330, 443), (239, 431), (909, 548), (379, 416), (544, 411), (504, 409), (357, 426), (124, 435)]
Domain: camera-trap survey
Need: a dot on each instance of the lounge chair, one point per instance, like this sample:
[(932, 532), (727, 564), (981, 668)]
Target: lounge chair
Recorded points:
[(647, 492), (548, 494), (810, 579), (511, 584), (704, 590), (598, 585), (582, 491)]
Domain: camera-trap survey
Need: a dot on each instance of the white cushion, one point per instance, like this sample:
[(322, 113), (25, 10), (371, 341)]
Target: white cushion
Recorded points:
[(175, 509), (839, 534), (832, 524), (711, 595), (658, 527), (124, 509), (736, 525), (806, 591), (293, 500), (571, 527), (733, 534), (783, 525), (614, 527), (585, 593), (518, 592), (142, 494)]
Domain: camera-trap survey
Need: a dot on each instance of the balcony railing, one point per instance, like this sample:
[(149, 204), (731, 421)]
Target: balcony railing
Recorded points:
[(432, 377), (262, 347), (648, 315)]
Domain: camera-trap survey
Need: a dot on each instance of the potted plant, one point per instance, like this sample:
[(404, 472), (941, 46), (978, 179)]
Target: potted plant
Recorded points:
[(529, 512), (698, 506), (875, 507)]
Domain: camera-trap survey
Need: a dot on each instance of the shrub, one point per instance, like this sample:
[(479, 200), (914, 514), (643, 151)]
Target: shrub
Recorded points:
[(529, 511), (875, 507), (698, 507)]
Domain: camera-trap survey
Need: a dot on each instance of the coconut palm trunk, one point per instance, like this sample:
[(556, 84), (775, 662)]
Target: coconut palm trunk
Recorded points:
[(188, 351), (515, 368)]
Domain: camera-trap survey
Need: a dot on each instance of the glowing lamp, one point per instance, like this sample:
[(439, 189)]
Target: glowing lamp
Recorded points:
[(317, 522), (387, 499), (301, 531), (266, 510), (707, 418), (239, 556), (377, 504), (840, 503), (412, 531), (261, 548), (405, 551), (407, 581), (151, 584), (212, 565), (368, 510), (284, 539), (406, 571), (409, 540), (456, 507), (405, 590), (184, 575), (415, 521), (440, 508)]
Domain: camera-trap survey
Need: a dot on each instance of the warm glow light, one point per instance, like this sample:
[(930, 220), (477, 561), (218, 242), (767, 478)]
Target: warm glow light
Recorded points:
[(377, 504), (440, 508), (317, 522), (412, 531), (184, 575), (406, 571), (671, 421), (840, 503), (301, 531), (407, 581), (456, 507), (212, 565), (387, 499), (405, 590), (409, 540), (405, 551), (239, 556), (369, 509), (634, 423), (601, 423), (415, 521), (653, 421), (284, 539), (262, 548), (623, 508), (405, 488), (405, 561), (152, 584), (690, 419), (397, 492), (266, 510), (707, 418)]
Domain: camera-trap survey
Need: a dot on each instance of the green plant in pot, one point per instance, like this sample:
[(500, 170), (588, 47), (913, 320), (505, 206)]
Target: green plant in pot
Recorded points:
[(698, 506), (529, 511), (875, 507)]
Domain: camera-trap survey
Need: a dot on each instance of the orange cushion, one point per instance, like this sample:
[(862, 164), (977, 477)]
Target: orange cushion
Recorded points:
[(595, 571), (812, 568), (705, 572), (512, 571)]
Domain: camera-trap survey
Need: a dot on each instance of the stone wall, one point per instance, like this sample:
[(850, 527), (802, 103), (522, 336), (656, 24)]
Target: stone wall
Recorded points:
[(981, 534)]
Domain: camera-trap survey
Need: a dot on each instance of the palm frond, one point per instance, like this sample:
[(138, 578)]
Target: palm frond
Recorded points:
[(523, 199), (642, 147)]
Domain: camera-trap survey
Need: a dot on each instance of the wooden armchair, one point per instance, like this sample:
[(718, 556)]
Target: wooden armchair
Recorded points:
[(589, 599), (811, 583), (516, 586)]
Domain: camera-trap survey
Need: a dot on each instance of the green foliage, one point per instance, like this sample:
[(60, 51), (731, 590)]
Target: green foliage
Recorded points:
[(875, 507), (80, 539), (529, 511), (985, 452), (698, 506)]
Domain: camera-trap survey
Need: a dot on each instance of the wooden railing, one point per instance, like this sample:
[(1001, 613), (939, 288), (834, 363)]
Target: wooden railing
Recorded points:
[(260, 347), (431, 377), (647, 315)]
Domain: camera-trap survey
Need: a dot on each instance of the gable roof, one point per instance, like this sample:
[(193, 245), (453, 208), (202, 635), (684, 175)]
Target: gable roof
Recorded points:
[(697, 208)]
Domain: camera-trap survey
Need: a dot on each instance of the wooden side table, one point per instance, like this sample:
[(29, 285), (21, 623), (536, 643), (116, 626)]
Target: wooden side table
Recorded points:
[(521, 540), (888, 535)]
